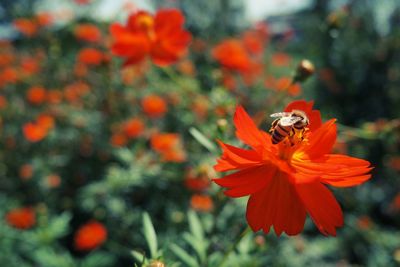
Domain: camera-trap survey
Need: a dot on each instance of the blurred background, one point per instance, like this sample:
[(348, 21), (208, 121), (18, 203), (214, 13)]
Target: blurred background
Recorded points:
[(109, 165)]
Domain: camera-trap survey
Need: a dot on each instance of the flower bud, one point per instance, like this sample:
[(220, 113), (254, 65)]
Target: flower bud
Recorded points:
[(156, 264), (304, 70)]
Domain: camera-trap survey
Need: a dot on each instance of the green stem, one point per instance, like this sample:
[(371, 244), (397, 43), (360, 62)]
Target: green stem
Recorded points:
[(234, 245)]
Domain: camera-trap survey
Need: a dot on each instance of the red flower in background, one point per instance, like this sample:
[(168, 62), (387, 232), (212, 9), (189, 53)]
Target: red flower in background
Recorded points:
[(22, 218), (232, 55), (90, 235), (287, 180), (154, 106), (27, 27), (169, 146), (36, 95), (90, 56), (161, 37), (87, 32)]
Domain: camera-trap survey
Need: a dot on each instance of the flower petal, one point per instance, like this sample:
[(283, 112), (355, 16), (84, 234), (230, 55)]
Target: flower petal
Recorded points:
[(248, 181), (320, 141), (276, 205), (314, 116), (236, 158), (322, 207), (335, 170), (247, 131)]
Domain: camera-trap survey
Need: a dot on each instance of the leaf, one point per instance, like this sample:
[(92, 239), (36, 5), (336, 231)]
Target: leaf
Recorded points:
[(202, 139), (139, 256), (195, 226), (150, 235), (184, 256)]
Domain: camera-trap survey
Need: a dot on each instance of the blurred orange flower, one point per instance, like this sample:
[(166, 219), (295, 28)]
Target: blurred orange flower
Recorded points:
[(34, 132), (154, 106), (26, 171), (232, 55), (27, 27), (133, 127), (280, 59), (161, 37), (287, 180), (44, 18), (36, 95), (90, 235), (118, 139), (202, 203), (90, 56), (87, 32), (169, 146), (22, 218)]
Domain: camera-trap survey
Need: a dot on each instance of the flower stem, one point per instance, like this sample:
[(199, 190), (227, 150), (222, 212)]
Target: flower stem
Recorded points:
[(234, 245)]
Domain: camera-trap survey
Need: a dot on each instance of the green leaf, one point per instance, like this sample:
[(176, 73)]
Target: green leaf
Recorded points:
[(150, 235), (139, 256), (202, 139), (184, 256), (195, 226)]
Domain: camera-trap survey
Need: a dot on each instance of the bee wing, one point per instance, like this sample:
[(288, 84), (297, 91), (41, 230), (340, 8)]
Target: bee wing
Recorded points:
[(289, 121), (280, 114)]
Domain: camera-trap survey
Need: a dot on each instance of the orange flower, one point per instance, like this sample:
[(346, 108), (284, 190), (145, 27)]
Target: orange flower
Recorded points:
[(90, 236), (90, 56), (36, 95), (34, 132), (287, 180), (154, 106), (54, 96), (22, 218), (285, 83), (118, 140), (280, 59), (169, 146), (26, 171), (27, 27), (29, 66), (232, 55), (44, 18), (161, 37), (202, 203), (87, 32), (45, 121), (133, 128), (3, 102)]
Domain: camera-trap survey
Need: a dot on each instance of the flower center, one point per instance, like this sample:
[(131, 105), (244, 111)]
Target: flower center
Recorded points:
[(146, 24)]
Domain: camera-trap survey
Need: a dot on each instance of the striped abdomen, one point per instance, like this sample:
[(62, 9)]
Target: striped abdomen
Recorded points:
[(280, 132)]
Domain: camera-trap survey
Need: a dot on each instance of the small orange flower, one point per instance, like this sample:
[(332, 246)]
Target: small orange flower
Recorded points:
[(118, 139), (29, 66), (169, 146), (197, 182), (26, 171), (232, 55), (287, 180), (133, 128), (87, 32), (34, 132), (45, 121), (9, 75), (3, 102), (27, 27), (44, 18), (280, 59), (90, 56), (36, 95), (154, 106), (90, 236), (53, 181), (22, 218), (54, 96), (161, 37), (202, 203)]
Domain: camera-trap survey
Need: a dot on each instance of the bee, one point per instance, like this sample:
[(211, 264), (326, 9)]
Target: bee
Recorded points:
[(288, 124)]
